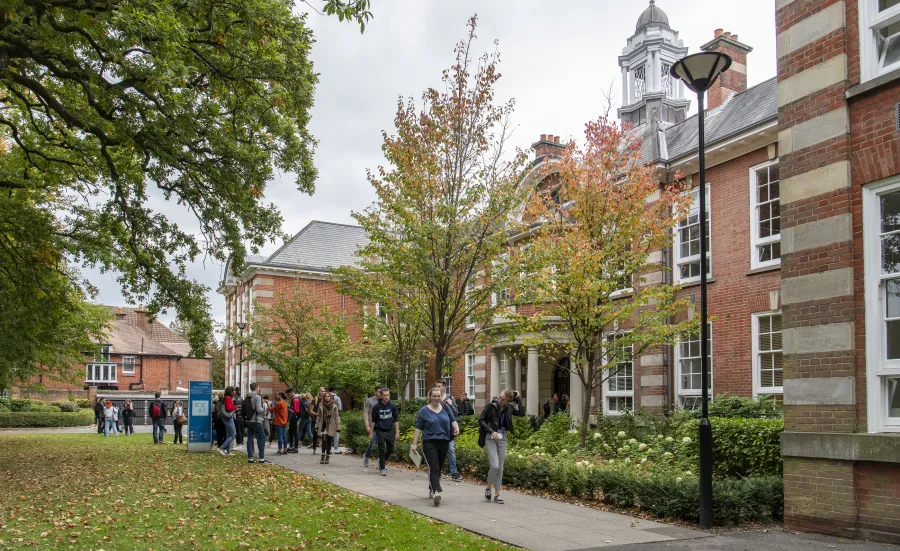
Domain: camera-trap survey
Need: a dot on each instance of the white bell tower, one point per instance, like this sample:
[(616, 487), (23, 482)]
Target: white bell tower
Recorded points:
[(648, 90)]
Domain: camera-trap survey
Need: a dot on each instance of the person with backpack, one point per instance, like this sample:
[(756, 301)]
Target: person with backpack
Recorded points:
[(328, 423), (494, 425), (239, 424), (305, 426), (254, 414), (384, 428), (99, 420), (465, 406), (109, 415), (437, 426), (158, 414), (367, 419), (128, 417), (178, 420), (450, 404), (280, 420), (226, 412), (293, 406)]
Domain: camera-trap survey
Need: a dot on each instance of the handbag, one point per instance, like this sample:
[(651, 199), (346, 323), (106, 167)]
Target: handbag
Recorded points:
[(181, 419)]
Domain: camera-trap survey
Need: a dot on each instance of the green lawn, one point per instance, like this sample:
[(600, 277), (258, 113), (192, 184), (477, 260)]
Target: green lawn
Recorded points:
[(87, 492)]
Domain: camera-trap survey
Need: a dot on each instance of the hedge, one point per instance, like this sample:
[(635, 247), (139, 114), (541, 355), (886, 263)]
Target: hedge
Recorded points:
[(29, 419), (741, 447)]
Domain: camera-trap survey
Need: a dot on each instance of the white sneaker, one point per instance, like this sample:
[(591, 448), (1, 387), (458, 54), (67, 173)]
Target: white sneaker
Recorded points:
[(222, 452), (437, 498)]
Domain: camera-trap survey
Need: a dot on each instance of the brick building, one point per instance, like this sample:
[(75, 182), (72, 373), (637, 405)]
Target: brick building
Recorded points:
[(838, 92), (137, 355), (306, 259)]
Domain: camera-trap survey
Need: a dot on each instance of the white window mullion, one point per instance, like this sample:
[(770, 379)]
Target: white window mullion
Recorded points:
[(768, 369), (688, 374), (618, 386), (765, 216), (687, 240), (470, 376)]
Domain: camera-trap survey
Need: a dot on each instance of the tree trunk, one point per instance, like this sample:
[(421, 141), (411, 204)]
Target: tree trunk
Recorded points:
[(438, 365), (587, 388)]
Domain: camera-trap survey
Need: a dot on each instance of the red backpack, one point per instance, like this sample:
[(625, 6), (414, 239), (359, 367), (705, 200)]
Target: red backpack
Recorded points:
[(155, 411)]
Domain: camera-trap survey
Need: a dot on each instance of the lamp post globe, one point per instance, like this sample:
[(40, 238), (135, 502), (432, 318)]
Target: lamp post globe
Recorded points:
[(699, 72)]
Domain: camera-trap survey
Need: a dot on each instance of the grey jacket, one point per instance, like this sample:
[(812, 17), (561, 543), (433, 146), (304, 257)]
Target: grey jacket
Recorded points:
[(259, 410)]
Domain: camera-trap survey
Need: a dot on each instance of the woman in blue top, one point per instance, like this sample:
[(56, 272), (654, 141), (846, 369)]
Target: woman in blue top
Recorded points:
[(437, 425)]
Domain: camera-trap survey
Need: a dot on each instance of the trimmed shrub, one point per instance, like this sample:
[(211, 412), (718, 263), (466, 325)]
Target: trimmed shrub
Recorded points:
[(83, 403), (16, 404), (43, 409), (29, 419), (66, 407), (741, 447), (727, 406)]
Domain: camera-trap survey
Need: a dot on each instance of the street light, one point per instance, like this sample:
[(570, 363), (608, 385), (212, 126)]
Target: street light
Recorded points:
[(241, 325), (699, 72)]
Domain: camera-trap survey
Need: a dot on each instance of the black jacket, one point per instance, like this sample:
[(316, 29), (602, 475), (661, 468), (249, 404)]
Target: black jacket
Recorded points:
[(465, 407), (489, 422)]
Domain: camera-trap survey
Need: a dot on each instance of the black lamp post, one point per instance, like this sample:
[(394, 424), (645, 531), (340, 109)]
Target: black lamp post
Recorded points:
[(241, 326), (699, 72)]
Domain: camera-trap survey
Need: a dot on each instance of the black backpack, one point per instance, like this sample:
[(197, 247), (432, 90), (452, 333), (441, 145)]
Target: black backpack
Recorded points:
[(304, 409), (247, 410)]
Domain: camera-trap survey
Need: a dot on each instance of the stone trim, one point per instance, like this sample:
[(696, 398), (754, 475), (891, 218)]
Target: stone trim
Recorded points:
[(843, 447), (819, 286), (814, 131), (816, 339), (807, 31), (819, 233), (827, 391), (814, 79), (822, 180), (872, 84)]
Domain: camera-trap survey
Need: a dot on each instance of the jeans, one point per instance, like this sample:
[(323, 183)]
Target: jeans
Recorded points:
[(451, 458), (373, 445), (239, 424), (179, 438), (229, 429), (255, 432), (160, 426), (292, 433), (434, 452), (110, 424), (496, 450), (282, 437), (385, 446), (305, 429)]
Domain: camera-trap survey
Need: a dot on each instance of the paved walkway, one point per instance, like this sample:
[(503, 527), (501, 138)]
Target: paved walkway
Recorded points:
[(524, 520)]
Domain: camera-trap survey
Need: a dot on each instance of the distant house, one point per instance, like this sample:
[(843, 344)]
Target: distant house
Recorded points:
[(138, 354)]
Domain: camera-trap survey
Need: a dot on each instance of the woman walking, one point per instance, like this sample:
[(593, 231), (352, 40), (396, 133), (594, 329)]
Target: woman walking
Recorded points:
[(280, 420), (328, 422), (437, 426), (128, 417), (110, 417), (178, 420), (494, 425), (218, 422), (226, 414)]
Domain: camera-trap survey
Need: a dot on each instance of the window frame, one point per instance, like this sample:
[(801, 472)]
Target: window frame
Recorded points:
[(421, 377), (755, 240), (677, 260), (870, 22), (132, 363), (758, 389), (607, 393), (470, 375), (879, 370), (682, 393), (107, 373)]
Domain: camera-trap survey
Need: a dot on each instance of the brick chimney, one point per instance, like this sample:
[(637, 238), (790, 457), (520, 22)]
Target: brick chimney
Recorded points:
[(142, 319), (548, 145), (734, 80)]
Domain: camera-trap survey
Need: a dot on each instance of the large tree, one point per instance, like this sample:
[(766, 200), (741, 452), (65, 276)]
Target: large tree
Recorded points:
[(585, 266), (116, 113), (296, 336), (442, 211)]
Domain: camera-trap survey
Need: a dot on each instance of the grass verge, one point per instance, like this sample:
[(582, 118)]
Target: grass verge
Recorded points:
[(73, 491)]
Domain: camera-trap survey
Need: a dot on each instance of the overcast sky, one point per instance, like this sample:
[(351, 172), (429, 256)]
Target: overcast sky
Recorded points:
[(556, 58)]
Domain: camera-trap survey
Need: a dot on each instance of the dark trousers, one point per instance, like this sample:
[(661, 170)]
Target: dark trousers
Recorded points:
[(159, 426), (101, 423), (255, 433), (220, 432), (292, 433), (239, 427), (129, 426), (304, 428), (385, 446), (179, 438), (435, 451), (327, 442)]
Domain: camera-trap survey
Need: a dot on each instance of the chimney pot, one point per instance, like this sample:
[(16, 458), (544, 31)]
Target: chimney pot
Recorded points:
[(734, 37), (555, 139), (727, 34), (543, 137), (717, 33)]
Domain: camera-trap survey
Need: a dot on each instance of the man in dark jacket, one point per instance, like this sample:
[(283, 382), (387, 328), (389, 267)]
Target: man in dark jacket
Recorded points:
[(384, 428), (98, 415), (465, 406), (158, 414), (494, 425)]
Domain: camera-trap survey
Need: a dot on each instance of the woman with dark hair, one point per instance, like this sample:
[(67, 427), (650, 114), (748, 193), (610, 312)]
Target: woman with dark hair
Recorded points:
[(128, 417), (226, 413), (438, 427), (328, 422), (177, 421)]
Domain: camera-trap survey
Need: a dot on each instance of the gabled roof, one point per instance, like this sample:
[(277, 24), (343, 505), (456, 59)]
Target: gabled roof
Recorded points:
[(131, 333), (321, 246)]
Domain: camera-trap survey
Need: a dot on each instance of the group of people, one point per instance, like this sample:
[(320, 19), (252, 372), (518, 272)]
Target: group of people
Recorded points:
[(556, 405), (110, 418), (288, 419), (437, 428)]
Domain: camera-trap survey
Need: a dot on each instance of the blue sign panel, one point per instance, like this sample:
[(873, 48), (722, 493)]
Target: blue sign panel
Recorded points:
[(200, 417)]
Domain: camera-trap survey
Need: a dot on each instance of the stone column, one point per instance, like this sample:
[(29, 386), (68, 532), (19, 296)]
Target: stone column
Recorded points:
[(532, 394), (576, 399), (494, 389), (517, 382)]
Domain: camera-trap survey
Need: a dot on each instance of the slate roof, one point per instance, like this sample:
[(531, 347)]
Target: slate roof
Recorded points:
[(664, 142), (321, 246)]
